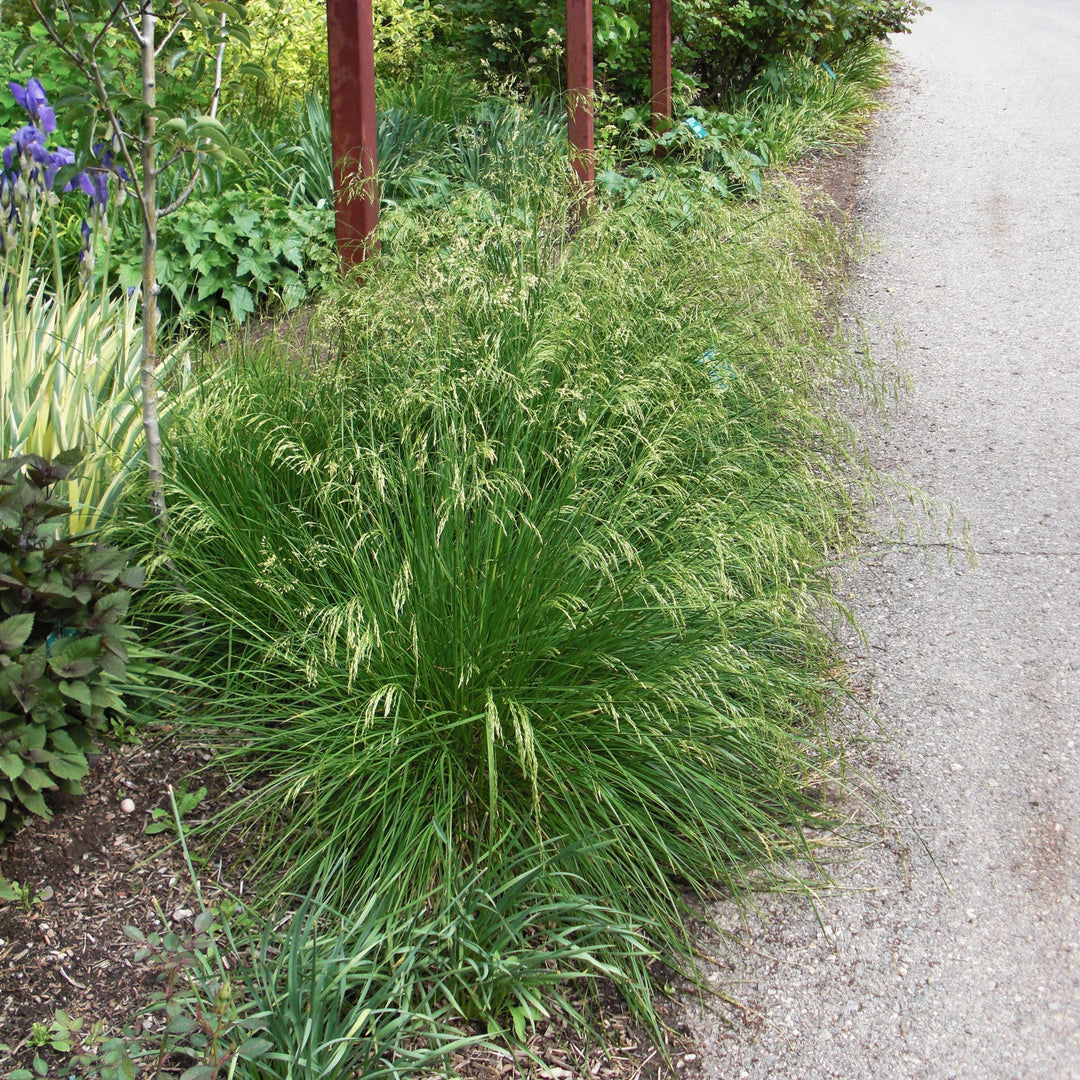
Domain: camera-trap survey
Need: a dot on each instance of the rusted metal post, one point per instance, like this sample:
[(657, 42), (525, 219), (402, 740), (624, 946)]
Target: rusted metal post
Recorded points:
[(352, 122), (579, 88), (661, 64)]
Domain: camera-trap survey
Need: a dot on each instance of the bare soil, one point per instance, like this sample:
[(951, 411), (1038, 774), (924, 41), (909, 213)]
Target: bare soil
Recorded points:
[(88, 874)]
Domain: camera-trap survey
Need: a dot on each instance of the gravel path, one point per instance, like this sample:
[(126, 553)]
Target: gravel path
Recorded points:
[(953, 947)]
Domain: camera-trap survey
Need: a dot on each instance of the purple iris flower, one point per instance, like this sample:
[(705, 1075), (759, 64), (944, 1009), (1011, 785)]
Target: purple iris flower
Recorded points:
[(100, 183), (29, 153), (80, 182), (108, 161), (54, 161), (28, 136), (32, 98), (31, 140), (92, 182)]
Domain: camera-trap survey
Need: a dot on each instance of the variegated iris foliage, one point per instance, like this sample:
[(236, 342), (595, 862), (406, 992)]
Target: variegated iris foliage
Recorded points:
[(69, 377), (70, 348)]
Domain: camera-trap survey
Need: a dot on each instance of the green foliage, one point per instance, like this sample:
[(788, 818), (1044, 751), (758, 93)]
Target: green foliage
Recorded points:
[(726, 154), (430, 146), (59, 1035), (517, 566), (95, 44), (24, 893), (69, 376), (719, 47), (183, 801), (63, 642), (221, 256), (288, 49), (320, 993), (801, 108)]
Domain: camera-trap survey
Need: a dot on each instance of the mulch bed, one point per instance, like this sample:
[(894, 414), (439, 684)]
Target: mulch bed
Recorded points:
[(93, 870), (88, 874)]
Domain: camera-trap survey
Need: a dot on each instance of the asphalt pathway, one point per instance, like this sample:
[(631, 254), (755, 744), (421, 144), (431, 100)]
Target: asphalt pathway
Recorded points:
[(953, 949)]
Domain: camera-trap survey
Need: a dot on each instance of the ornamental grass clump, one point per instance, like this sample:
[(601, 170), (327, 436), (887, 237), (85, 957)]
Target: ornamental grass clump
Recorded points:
[(539, 558)]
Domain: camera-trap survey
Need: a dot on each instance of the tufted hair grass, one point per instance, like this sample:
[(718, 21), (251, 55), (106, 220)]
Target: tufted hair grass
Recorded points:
[(539, 555)]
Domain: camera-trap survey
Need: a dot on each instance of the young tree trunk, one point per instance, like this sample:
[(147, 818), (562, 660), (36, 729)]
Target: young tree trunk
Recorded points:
[(149, 270)]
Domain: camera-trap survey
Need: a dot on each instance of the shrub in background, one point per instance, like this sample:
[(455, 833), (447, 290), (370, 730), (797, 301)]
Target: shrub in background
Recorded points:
[(288, 44), (720, 47), (63, 641), (220, 257)]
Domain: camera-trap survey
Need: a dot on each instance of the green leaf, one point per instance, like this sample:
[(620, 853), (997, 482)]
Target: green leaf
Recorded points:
[(37, 779), (208, 260), (254, 1048), (198, 1072), (23, 53), (204, 920), (64, 743), (129, 275), (15, 630), (103, 563), (77, 690), (69, 766), (132, 577), (114, 662), (206, 127), (75, 658), (32, 800), (175, 58), (33, 737), (11, 764), (241, 302), (245, 220), (181, 1025)]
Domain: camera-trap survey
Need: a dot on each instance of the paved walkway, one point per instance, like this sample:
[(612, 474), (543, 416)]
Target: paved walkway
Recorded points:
[(973, 192)]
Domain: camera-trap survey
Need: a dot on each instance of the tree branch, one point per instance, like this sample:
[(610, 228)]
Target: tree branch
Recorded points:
[(168, 37), (121, 5), (218, 65), (184, 195), (215, 98), (132, 24), (54, 34)]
